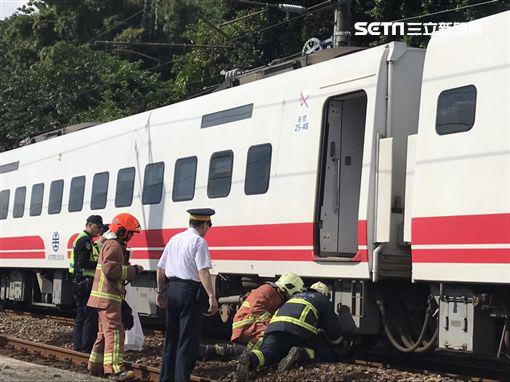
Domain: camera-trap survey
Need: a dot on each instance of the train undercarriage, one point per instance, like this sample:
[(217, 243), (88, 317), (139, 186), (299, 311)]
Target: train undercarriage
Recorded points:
[(413, 317)]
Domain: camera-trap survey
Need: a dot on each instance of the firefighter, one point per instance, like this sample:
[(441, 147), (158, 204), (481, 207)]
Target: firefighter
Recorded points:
[(82, 266), (252, 318), (112, 272), (300, 331)]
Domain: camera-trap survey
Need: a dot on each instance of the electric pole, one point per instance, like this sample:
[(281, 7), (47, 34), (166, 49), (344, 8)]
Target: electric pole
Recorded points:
[(341, 36)]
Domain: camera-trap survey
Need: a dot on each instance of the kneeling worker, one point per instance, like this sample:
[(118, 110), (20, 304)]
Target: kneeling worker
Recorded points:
[(107, 294), (292, 335), (252, 318)]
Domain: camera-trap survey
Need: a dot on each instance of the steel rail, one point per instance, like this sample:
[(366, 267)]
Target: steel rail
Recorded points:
[(142, 373)]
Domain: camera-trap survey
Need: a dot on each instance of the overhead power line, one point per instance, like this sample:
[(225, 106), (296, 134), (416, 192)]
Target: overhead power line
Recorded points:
[(162, 44), (446, 11), (316, 8)]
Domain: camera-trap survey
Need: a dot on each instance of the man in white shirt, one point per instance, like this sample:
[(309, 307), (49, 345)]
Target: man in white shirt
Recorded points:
[(184, 282)]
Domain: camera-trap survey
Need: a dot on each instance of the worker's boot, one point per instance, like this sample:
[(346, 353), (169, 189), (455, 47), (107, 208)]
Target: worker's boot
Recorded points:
[(294, 358), (233, 351), (122, 376)]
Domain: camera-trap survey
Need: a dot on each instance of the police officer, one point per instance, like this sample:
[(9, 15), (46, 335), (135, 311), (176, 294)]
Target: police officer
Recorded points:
[(82, 266), (305, 328), (185, 263)]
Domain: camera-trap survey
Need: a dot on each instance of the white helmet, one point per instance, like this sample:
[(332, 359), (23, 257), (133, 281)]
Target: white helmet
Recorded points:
[(290, 283), (321, 288)]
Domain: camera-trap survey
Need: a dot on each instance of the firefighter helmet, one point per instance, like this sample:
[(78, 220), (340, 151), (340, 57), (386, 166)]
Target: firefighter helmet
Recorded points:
[(123, 224), (321, 288), (290, 283)]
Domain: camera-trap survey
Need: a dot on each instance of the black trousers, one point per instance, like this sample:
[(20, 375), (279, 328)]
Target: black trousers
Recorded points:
[(85, 328), (184, 313), (86, 319)]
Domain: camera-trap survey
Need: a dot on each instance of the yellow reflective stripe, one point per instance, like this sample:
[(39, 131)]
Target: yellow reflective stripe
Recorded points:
[(108, 296), (96, 357), (108, 358), (239, 324), (254, 345), (295, 321), (124, 272), (304, 302), (304, 313), (71, 259), (245, 304), (116, 364), (260, 356), (310, 352), (251, 319), (263, 317)]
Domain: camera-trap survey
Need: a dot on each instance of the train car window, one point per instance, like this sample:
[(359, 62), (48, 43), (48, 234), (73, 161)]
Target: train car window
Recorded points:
[(456, 110), (99, 190), (13, 166), (4, 203), (19, 202), (220, 174), (125, 185), (184, 179), (258, 168), (153, 183), (225, 116), (76, 194), (36, 200), (55, 202)]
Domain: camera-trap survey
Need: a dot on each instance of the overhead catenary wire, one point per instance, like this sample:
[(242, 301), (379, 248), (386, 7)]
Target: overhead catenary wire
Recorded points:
[(446, 11), (316, 8)]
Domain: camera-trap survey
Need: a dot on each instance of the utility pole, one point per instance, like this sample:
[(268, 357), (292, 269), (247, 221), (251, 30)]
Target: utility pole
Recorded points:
[(341, 36)]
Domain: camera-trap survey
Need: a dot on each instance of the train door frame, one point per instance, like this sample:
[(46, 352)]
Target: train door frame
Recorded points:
[(340, 241)]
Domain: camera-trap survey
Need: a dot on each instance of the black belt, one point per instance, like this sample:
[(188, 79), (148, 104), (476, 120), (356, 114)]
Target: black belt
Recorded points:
[(189, 282)]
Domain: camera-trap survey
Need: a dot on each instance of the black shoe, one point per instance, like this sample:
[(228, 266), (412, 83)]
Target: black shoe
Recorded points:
[(122, 376), (294, 358), (243, 368)]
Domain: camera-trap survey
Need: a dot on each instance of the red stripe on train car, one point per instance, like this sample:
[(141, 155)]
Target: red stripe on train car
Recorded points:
[(465, 256), (293, 234), (22, 255), (21, 242), (362, 232), (470, 229)]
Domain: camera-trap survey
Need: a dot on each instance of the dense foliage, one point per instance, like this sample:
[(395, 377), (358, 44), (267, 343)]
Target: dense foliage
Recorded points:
[(55, 72)]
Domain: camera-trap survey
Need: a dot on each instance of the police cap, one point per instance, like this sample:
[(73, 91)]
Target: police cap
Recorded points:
[(201, 214), (95, 219)]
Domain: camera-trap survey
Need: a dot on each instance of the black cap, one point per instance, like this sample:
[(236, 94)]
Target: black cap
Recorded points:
[(95, 219), (201, 214), (105, 227)]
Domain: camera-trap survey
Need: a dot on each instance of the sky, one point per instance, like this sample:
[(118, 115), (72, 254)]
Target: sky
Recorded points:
[(8, 7)]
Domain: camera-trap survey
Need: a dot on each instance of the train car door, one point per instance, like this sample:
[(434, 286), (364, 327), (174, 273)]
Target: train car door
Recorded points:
[(339, 184)]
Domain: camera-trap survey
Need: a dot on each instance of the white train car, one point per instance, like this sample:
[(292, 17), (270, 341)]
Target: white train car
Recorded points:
[(360, 171)]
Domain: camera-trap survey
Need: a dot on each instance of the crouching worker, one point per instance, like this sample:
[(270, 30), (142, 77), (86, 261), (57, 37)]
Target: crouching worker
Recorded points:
[(108, 291), (294, 334), (252, 318)]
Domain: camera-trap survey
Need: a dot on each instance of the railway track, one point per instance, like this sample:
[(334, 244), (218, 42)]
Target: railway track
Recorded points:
[(438, 364), (142, 373), (445, 365)]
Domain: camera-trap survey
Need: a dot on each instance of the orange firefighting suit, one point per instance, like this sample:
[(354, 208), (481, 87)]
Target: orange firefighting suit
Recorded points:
[(252, 318), (107, 294)]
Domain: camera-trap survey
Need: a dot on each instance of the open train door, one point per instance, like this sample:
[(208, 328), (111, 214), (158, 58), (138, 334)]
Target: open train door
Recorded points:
[(340, 179)]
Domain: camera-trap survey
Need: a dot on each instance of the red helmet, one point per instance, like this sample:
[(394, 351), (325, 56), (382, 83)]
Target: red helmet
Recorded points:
[(124, 223)]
